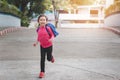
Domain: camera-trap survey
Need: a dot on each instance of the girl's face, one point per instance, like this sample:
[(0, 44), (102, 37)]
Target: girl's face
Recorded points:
[(42, 21)]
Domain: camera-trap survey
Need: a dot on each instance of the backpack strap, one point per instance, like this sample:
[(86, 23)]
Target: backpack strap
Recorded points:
[(47, 30)]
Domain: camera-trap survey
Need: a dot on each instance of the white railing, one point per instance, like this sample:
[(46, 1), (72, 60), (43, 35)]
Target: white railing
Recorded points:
[(67, 20), (78, 17)]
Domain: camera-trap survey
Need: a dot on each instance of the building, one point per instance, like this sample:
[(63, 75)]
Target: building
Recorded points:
[(83, 16)]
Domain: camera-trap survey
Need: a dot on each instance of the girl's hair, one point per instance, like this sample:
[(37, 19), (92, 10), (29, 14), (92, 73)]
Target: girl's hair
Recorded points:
[(42, 15)]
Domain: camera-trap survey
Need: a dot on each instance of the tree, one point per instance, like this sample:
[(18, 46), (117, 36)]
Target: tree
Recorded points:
[(8, 8), (58, 5), (30, 7)]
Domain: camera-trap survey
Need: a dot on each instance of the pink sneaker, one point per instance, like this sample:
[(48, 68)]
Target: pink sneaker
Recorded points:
[(41, 75), (52, 60)]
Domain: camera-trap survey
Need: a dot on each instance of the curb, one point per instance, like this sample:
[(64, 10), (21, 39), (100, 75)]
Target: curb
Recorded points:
[(116, 31), (8, 30)]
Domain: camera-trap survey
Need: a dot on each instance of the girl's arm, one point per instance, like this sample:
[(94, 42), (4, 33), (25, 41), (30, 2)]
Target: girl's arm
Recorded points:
[(37, 41), (51, 39)]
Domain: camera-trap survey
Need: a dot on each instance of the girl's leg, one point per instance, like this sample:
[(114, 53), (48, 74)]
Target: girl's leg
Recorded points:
[(49, 53), (42, 62)]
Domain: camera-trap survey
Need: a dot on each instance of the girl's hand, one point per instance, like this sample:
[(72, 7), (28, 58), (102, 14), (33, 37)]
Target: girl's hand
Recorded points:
[(51, 39), (35, 44)]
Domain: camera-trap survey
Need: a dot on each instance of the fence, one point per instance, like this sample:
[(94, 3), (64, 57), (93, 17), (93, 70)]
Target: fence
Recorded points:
[(79, 21)]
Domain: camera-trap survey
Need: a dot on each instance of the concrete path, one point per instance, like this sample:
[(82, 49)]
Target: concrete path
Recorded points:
[(80, 54)]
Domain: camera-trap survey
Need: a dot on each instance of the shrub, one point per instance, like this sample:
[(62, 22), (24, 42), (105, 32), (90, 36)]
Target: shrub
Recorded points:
[(7, 8)]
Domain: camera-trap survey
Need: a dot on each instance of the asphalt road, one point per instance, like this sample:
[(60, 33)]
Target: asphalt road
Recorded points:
[(80, 54)]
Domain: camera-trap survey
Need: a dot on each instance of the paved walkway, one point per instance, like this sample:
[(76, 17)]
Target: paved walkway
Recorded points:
[(80, 54), (62, 69), (114, 29)]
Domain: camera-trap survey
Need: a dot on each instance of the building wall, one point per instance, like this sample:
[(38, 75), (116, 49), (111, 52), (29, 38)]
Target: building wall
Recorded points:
[(7, 20), (112, 20), (87, 16)]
